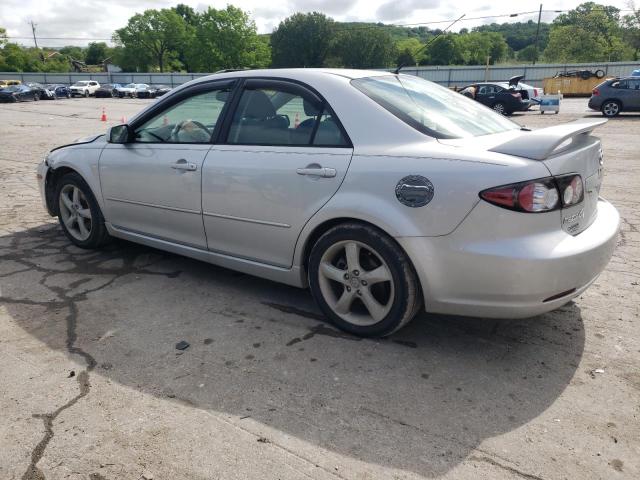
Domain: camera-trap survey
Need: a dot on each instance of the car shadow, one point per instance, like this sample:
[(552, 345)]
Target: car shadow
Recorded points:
[(421, 400)]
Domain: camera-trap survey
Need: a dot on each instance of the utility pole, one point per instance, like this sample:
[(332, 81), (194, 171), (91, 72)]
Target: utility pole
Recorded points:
[(535, 57), (35, 41)]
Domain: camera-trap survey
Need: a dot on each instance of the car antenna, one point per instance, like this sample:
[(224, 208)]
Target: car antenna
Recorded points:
[(401, 65)]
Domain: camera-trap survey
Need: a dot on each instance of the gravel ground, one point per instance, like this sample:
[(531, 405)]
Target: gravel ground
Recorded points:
[(94, 388)]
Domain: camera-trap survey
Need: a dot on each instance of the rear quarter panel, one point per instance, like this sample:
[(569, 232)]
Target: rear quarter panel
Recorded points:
[(368, 190)]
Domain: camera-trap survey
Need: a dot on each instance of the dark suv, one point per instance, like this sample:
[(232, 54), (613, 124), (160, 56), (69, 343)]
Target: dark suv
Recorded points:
[(616, 95)]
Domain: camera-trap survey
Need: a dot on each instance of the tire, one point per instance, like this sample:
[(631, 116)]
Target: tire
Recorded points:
[(600, 74), (585, 74), (611, 108), (336, 276), (86, 94), (70, 216), (500, 107), (68, 95)]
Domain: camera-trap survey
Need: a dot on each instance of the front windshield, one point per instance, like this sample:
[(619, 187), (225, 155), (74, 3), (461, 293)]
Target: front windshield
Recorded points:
[(431, 109)]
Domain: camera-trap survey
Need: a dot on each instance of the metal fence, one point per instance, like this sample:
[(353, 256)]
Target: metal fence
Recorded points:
[(444, 75)]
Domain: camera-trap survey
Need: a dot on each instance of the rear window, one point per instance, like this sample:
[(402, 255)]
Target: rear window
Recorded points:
[(431, 109)]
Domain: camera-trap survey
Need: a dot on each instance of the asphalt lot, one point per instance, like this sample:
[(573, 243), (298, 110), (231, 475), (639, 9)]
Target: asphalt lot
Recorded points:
[(94, 388)]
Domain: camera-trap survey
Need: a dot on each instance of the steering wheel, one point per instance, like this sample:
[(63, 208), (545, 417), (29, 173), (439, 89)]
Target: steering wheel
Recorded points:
[(180, 125)]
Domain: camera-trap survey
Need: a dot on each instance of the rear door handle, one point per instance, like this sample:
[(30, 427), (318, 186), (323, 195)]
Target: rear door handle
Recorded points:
[(325, 172), (182, 164)]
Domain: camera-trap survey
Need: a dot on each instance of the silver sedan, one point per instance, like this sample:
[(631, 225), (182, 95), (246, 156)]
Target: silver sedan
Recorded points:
[(384, 194)]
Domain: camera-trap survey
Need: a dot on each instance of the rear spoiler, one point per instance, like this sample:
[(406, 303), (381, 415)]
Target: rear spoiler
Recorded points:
[(540, 144)]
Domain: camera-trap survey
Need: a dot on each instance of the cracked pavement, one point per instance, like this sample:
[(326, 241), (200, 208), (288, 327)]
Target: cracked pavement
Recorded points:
[(94, 388)]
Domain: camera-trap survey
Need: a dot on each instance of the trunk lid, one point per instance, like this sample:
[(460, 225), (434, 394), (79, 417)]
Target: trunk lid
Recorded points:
[(564, 149)]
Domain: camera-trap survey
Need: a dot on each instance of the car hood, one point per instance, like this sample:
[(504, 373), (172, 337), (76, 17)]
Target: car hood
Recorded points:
[(84, 140)]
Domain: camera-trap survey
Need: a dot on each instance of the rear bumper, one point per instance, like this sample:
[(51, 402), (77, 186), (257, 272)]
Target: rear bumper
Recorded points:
[(476, 272)]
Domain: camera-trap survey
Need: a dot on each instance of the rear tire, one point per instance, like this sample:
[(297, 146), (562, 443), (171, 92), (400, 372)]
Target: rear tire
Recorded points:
[(79, 213), (363, 281), (611, 108), (500, 108)]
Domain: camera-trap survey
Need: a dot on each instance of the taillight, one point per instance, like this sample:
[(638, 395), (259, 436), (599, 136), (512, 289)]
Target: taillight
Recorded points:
[(535, 92), (571, 189), (595, 92), (537, 196)]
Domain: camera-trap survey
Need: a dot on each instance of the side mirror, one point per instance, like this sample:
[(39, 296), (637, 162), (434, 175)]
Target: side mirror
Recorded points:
[(120, 134)]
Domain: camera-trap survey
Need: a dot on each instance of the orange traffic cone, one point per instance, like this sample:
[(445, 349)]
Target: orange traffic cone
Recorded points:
[(103, 118), (296, 122)]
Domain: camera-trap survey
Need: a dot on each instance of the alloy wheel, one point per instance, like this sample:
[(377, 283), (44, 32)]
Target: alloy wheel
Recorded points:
[(498, 107), (356, 283), (611, 109), (75, 212)]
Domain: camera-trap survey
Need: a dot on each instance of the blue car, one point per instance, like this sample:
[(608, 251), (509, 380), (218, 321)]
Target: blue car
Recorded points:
[(636, 73), (59, 90)]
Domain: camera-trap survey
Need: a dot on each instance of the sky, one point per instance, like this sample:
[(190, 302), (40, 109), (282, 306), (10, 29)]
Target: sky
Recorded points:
[(82, 21)]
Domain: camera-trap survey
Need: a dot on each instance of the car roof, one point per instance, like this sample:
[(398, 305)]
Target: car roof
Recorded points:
[(295, 73)]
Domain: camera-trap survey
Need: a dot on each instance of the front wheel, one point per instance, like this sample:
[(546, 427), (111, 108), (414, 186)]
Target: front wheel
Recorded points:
[(79, 213), (36, 97), (86, 94), (363, 281), (610, 108)]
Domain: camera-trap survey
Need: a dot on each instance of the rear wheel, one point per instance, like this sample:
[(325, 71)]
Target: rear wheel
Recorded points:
[(79, 213), (611, 108), (363, 281), (500, 108)]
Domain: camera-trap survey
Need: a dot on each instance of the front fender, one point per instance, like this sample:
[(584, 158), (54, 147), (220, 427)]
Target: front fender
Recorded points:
[(83, 159)]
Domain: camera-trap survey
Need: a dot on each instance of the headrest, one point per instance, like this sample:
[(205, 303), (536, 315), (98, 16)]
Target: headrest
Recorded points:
[(311, 109), (256, 104)]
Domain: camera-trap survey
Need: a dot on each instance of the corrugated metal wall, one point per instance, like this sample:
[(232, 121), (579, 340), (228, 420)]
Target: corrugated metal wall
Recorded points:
[(444, 75)]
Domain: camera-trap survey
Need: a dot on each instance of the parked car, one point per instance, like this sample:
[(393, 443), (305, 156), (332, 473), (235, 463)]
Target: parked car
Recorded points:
[(18, 93), (527, 92), (616, 95), (108, 90), (145, 91), (129, 90), (384, 193), (162, 90), (636, 73), (8, 83), (43, 92), (60, 91), (497, 96), (84, 88)]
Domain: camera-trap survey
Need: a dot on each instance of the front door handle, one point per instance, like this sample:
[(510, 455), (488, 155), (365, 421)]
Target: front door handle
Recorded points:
[(182, 164), (324, 172)]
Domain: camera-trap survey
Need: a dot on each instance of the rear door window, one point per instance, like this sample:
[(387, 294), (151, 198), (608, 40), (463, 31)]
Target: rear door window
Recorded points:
[(280, 114)]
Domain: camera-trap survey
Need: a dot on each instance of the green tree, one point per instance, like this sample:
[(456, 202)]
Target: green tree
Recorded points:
[(477, 46), (528, 54), (96, 53), (225, 38), (445, 50), (364, 48), (409, 51), (302, 40), (3, 37), (77, 53), (590, 32), (158, 32), (631, 30)]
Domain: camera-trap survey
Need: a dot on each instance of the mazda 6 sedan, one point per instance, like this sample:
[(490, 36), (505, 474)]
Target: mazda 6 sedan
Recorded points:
[(384, 194)]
